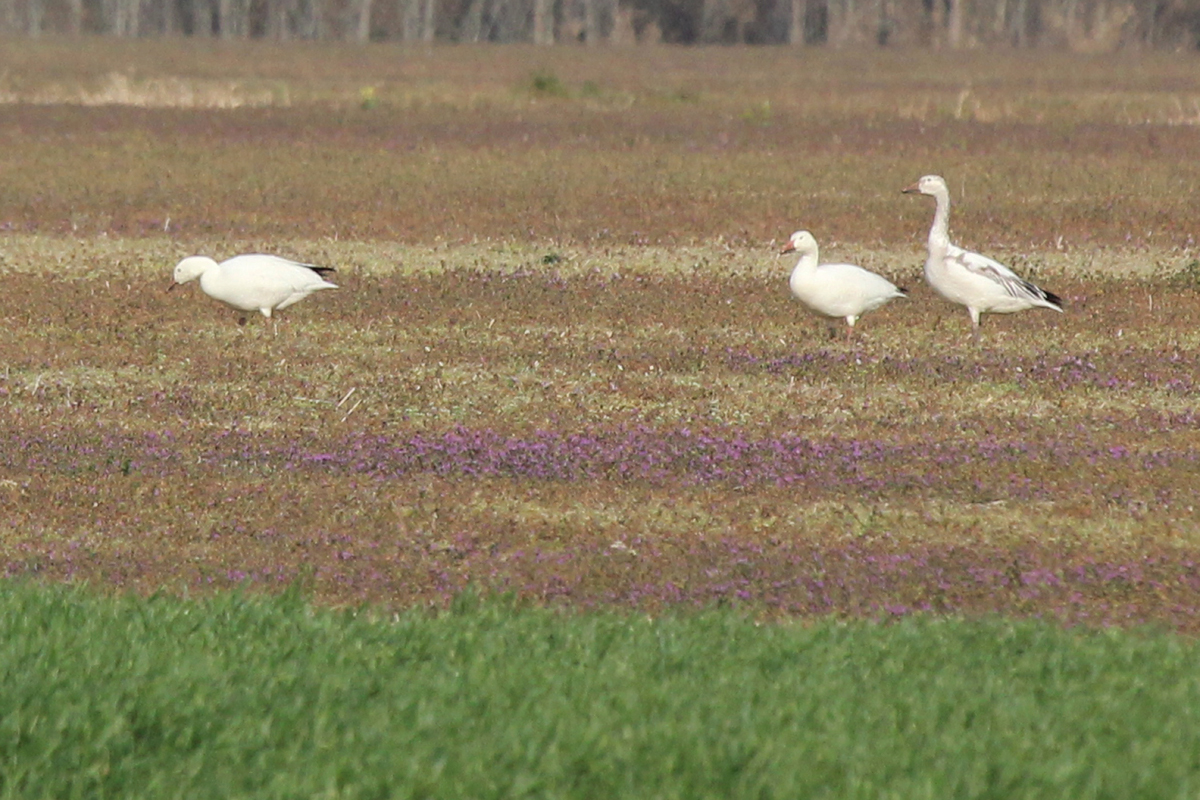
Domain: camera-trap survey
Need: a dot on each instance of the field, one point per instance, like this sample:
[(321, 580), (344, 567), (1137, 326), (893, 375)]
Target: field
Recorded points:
[(563, 374), (237, 698), (563, 362)]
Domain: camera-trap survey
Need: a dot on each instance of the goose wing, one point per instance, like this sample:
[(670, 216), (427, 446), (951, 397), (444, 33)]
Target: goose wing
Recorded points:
[(280, 261), (1012, 283), (258, 280)]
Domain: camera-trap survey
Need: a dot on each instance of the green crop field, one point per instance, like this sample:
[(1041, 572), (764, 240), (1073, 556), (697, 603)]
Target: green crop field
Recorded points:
[(236, 698), (563, 366)]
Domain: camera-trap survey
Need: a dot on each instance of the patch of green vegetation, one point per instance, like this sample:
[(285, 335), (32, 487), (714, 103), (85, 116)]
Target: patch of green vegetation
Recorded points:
[(236, 697), (546, 83), (684, 95), (1188, 276), (759, 114)]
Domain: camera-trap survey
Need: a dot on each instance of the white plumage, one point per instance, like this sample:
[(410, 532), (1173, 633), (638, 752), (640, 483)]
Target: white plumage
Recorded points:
[(982, 285), (835, 290), (253, 282)]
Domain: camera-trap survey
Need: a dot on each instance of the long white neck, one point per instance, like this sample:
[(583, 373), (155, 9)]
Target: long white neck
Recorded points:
[(939, 233), (806, 266)]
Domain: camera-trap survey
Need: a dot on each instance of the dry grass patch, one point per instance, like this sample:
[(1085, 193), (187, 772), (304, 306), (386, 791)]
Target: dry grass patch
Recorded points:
[(608, 427)]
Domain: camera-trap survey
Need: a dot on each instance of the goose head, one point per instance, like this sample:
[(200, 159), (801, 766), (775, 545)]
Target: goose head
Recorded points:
[(801, 242), (191, 268), (930, 184)]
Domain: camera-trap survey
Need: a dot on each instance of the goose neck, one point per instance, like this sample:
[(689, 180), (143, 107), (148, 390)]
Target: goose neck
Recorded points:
[(807, 262), (939, 233)]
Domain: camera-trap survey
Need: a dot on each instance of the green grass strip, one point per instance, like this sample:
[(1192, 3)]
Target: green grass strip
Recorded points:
[(245, 697)]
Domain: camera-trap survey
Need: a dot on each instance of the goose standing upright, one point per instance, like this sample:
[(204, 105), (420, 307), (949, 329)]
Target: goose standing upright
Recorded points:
[(835, 290), (253, 282), (982, 285)]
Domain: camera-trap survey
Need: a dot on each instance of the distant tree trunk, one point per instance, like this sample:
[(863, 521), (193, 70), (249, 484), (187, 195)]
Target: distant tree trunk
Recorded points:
[(509, 22), (168, 21), (493, 27), (1017, 24), (362, 21), (428, 20), (1000, 20), (411, 21), (1071, 21), (310, 22), (278, 25), (543, 22), (8, 16), (225, 19), (841, 22), (937, 22), (472, 24), (710, 13), (34, 11), (117, 12), (954, 24), (591, 23), (299, 19), (75, 17), (1154, 17), (239, 19), (319, 26), (796, 32), (202, 18), (1026, 23)]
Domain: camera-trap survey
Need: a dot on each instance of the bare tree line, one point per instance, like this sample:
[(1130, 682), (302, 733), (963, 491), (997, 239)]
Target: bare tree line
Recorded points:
[(1071, 24)]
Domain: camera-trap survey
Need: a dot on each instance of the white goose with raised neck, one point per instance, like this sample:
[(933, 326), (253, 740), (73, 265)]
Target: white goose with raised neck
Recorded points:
[(970, 279)]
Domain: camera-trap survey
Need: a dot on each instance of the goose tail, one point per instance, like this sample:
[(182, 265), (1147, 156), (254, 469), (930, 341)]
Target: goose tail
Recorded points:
[(1052, 299)]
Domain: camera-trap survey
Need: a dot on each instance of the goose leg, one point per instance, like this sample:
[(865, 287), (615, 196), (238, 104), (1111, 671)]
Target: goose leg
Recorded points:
[(974, 324)]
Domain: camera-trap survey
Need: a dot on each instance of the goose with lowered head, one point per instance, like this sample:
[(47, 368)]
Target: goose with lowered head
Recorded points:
[(835, 290), (982, 285), (253, 282)]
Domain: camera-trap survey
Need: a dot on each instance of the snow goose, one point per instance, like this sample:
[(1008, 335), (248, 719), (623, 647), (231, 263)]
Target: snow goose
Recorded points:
[(835, 290), (982, 285), (253, 282)]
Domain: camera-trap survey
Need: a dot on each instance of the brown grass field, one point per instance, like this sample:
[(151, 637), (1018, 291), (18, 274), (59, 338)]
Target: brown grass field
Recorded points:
[(564, 363)]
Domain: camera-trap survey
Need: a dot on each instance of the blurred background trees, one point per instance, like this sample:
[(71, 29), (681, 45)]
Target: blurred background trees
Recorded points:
[(1095, 25)]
